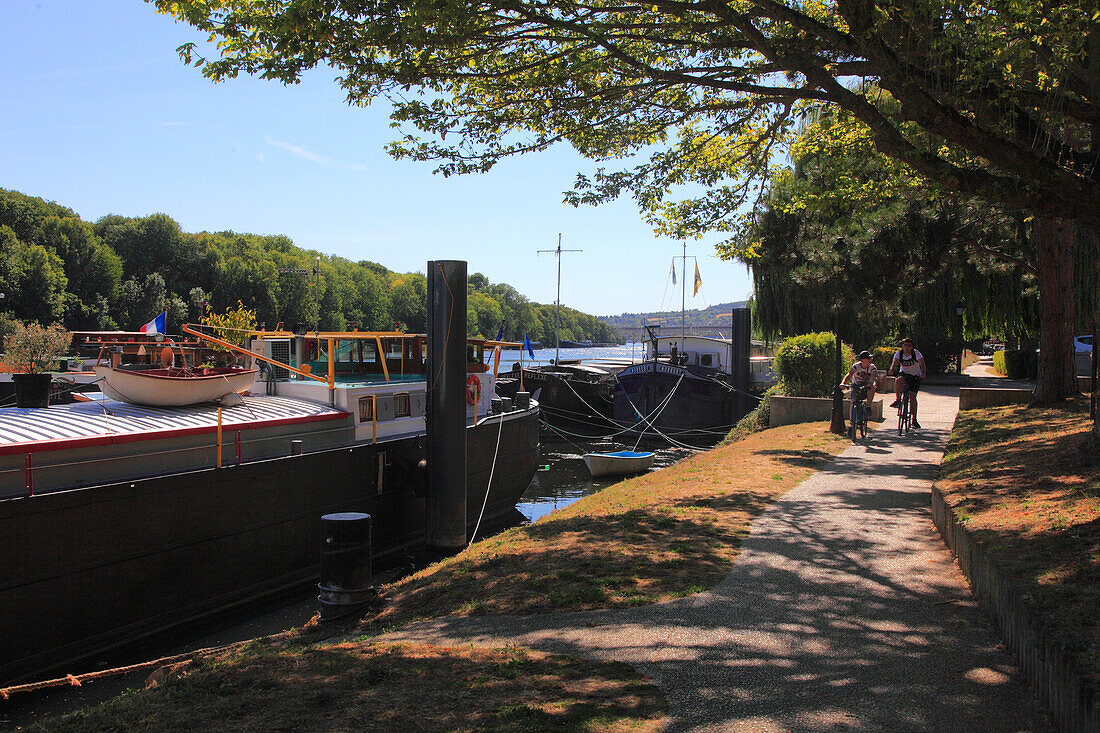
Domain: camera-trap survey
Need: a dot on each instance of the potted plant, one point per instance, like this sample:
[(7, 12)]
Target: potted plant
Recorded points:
[(34, 348)]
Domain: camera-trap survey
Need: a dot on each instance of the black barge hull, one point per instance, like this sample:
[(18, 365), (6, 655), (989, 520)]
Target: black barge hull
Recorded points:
[(91, 569)]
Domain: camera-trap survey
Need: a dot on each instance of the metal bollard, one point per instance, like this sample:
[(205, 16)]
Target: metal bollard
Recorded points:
[(523, 400), (295, 447), (497, 405), (345, 564)]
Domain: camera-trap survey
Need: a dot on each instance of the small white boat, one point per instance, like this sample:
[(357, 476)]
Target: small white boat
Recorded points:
[(173, 387), (617, 464)]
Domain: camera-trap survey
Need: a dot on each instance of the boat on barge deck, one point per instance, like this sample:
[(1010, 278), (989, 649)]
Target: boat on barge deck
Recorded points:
[(116, 521)]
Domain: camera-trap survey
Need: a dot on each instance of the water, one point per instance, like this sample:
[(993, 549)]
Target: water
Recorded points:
[(568, 479), (635, 351)]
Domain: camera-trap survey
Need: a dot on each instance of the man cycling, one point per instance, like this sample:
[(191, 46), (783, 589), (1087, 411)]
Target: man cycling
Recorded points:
[(908, 365), (863, 375)]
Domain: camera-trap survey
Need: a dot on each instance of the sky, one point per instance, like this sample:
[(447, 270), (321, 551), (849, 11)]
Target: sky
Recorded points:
[(98, 113)]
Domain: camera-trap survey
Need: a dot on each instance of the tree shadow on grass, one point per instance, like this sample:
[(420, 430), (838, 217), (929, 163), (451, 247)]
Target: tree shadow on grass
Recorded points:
[(579, 563)]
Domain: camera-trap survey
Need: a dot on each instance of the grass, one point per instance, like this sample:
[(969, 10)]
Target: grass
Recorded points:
[(1026, 482), (651, 538), (271, 686)]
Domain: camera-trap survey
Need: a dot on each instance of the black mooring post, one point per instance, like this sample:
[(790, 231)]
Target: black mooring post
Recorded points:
[(837, 425), (741, 336), (446, 408)]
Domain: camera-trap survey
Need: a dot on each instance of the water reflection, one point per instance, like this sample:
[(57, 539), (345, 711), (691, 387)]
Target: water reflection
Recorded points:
[(563, 478)]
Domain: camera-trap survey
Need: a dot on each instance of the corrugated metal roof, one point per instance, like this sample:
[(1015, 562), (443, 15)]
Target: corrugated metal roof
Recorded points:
[(22, 428)]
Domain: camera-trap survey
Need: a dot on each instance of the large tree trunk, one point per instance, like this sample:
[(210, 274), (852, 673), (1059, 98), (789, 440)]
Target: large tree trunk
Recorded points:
[(1057, 371)]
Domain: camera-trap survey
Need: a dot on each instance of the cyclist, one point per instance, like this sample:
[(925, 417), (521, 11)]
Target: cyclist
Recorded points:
[(862, 374), (908, 364)]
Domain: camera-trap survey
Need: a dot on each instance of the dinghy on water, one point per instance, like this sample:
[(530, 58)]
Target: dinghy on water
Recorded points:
[(174, 387), (621, 463)]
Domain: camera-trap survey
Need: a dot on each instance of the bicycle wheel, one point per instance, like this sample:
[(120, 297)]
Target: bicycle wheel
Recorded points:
[(863, 420), (903, 410), (853, 420)]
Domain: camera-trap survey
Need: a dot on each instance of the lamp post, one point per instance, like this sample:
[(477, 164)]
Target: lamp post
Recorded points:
[(837, 423), (960, 311)]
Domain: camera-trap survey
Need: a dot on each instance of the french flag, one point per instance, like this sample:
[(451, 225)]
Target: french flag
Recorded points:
[(157, 325)]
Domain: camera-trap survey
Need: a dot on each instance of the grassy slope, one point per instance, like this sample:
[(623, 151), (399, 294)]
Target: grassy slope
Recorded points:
[(654, 537), (1020, 481)]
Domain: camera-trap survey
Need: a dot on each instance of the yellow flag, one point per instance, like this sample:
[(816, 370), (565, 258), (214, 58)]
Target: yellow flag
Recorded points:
[(698, 280)]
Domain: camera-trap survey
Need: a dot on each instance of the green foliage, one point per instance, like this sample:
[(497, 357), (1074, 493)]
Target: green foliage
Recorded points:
[(235, 325), (1016, 363), (35, 347), (806, 364), (32, 279), (883, 356), (892, 254)]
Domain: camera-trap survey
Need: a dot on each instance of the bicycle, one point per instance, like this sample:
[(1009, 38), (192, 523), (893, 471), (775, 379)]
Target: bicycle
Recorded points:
[(905, 415), (858, 417)]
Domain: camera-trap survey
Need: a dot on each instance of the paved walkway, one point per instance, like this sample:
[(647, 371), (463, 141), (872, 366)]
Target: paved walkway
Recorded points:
[(844, 611)]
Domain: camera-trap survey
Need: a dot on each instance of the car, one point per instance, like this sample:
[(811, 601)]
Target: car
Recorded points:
[(1083, 343)]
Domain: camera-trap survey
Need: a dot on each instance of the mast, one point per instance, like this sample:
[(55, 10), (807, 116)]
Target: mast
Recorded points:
[(683, 297), (557, 303)]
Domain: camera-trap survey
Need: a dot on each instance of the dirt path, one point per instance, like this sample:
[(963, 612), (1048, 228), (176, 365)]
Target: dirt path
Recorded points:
[(843, 612)]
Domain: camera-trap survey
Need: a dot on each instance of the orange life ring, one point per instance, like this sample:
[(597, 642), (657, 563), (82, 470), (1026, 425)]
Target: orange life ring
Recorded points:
[(473, 389)]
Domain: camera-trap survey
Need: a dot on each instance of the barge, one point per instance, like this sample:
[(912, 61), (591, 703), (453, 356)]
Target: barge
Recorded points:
[(121, 521)]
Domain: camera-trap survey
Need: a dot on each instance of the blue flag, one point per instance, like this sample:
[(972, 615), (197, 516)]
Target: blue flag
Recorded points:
[(527, 345), (500, 333)]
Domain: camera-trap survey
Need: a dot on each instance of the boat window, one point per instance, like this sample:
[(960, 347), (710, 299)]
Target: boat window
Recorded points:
[(366, 408), (400, 405)]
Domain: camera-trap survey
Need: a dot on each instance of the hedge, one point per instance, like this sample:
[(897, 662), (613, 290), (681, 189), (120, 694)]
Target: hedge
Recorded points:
[(883, 356), (805, 364), (1016, 364)]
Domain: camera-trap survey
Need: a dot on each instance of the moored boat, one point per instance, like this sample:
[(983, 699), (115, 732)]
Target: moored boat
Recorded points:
[(121, 521), (620, 463), (173, 386)]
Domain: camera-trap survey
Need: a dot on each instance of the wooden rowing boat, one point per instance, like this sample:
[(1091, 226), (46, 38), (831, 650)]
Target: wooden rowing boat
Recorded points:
[(173, 387)]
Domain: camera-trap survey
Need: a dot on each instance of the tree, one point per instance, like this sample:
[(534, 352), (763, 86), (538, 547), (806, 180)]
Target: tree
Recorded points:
[(998, 99), (140, 300), (32, 279), (912, 249), (93, 270)]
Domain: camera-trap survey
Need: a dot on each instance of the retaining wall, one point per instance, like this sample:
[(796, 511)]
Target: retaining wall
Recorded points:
[(974, 397), (1061, 689), (791, 410)]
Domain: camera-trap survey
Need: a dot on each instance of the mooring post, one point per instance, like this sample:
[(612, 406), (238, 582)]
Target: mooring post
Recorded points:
[(446, 408), (741, 337), (345, 585)]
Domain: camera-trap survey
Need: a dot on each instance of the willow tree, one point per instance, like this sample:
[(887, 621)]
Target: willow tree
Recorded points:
[(1005, 94)]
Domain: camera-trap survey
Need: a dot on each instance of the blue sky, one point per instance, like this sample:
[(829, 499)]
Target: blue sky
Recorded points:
[(98, 113)]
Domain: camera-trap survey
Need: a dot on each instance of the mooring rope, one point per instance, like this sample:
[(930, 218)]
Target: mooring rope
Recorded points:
[(78, 679), (489, 486)]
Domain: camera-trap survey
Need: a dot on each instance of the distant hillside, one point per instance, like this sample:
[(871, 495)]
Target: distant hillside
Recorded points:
[(716, 315)]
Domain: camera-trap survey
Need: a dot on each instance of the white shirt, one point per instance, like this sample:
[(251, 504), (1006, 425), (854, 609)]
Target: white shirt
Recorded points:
[(909, 365), (859, 375)]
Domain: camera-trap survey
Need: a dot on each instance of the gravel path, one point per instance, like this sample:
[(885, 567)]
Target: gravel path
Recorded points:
[(844, 611)]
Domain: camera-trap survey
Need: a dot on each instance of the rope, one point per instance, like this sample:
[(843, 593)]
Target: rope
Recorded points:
[(671, 440), (489, 486), (77, 680)]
